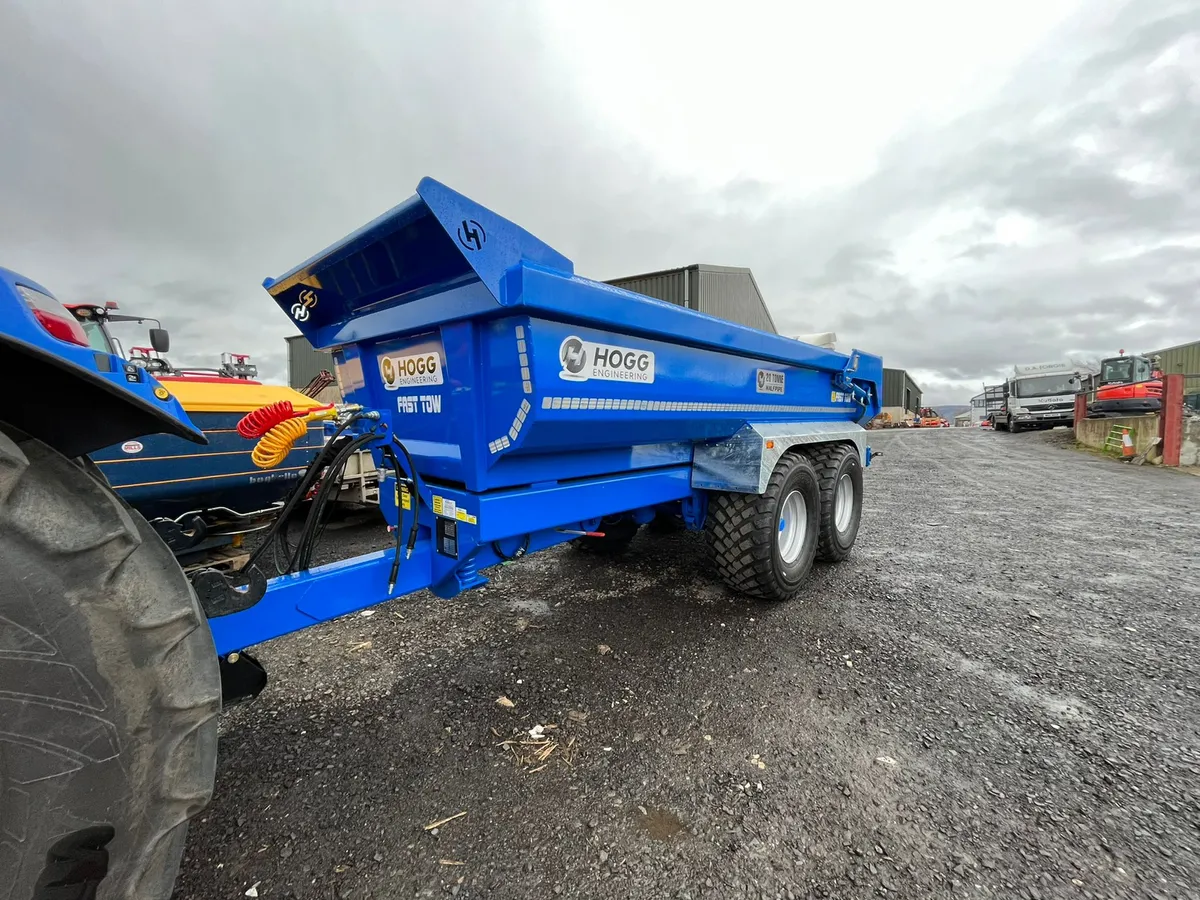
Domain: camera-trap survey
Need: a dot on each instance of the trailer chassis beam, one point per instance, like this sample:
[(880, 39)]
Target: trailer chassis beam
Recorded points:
[(539, 516)]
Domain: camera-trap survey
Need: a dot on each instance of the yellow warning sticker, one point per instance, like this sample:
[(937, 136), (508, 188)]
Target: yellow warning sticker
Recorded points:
[(405, 498), (444, 506)]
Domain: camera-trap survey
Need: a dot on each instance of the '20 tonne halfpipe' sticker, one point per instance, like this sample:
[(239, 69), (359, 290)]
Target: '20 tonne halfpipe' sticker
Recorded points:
[(770, 382), (411, 370), (585, 361)]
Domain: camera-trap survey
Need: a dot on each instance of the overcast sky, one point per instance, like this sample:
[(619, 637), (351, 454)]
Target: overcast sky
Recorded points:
[(955, 186)]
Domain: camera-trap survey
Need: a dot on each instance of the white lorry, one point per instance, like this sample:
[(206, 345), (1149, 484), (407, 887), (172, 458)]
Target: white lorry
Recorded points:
[(1041, 395)]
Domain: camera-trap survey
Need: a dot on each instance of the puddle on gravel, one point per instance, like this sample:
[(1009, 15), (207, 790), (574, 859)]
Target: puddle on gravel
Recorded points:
[(660, 824)]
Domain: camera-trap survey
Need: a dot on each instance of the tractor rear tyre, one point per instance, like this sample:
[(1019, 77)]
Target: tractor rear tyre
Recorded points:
[(841, 477), (109, 689), (618, 532), (763, 545)]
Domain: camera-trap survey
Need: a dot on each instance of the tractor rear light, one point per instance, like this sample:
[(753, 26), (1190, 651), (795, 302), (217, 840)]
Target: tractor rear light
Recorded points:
[(53, 316)]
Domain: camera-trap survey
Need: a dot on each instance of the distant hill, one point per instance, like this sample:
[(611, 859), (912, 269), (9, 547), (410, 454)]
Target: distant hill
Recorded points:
[(949, 412)]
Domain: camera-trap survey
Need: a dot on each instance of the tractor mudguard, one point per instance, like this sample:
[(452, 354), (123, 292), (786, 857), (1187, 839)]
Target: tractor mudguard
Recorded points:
[(75, 398)]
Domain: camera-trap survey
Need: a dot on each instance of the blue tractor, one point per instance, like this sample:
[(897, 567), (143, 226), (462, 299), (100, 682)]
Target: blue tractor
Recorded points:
[(513, 405)]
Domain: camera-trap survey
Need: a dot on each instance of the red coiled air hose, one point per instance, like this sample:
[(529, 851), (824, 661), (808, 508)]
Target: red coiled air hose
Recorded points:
[(256, 424)]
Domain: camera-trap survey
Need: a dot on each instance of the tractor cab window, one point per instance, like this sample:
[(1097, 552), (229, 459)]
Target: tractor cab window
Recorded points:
[(97, 339), (1117, 371), (1141, 369)]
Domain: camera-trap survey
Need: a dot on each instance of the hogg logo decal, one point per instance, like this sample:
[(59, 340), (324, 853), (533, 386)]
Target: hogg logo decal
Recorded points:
[(471, 235), (583, 361), (411, 370), (307, 301)]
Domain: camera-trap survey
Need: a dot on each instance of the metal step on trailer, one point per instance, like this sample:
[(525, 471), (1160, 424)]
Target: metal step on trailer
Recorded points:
[(514, 405)]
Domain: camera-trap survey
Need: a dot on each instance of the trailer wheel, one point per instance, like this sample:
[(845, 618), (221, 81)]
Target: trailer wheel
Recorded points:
[(841, 478), (618, 533), (109, 688), (764, 545)]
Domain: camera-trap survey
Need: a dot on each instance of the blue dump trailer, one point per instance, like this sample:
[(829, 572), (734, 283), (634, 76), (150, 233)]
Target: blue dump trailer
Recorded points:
[(513, 404), (519, 405)]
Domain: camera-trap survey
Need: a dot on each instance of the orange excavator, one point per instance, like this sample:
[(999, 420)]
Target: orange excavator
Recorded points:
[(1127, 386)]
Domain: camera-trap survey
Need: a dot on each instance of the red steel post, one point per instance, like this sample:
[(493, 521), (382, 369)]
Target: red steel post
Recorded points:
[(1170, 419), (1080, 408)]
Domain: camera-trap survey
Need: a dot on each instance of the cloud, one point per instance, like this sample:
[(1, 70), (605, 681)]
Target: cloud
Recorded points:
[(171, 162)]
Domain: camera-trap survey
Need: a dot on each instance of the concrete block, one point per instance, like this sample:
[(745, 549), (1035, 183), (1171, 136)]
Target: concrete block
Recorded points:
[(1094, 432)]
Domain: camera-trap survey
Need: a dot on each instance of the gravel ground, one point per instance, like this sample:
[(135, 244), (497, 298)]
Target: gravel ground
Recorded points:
[(995, 696)]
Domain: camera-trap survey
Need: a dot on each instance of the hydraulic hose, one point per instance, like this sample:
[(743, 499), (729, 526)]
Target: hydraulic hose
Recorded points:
[(390, 455), (314, 526), (278, 529), (416, 486)]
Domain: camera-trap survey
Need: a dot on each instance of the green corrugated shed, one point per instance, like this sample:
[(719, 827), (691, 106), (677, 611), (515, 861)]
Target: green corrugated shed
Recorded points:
[(1182, 359), (899, 389)]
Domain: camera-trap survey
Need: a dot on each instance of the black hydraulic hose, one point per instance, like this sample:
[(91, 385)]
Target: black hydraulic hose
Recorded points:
[(390, 455), (416, 485), (332, 490), (516, 554), (314, 527), (283, 520)]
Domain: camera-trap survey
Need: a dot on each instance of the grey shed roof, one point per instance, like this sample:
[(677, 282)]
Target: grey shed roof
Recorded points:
[(727, 292)]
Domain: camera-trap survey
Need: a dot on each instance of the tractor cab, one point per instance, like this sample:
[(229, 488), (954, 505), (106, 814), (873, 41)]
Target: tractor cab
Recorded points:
[(95, 320)]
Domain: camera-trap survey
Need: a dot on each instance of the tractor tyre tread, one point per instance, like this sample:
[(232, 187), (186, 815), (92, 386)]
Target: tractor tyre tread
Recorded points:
[(109, 675)]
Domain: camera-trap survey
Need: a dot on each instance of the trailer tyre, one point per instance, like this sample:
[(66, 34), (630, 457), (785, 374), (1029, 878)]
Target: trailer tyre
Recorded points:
[(109, 688), (764, 545), (841, 478)]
